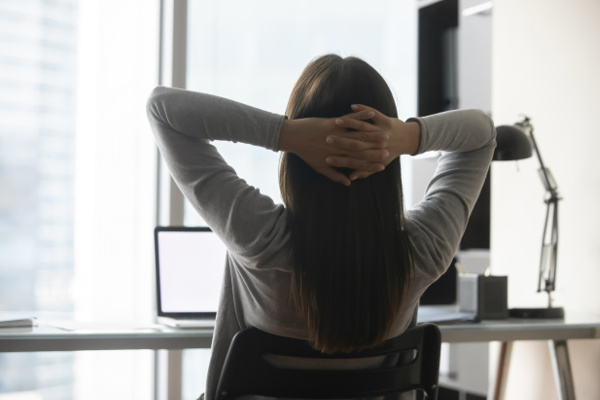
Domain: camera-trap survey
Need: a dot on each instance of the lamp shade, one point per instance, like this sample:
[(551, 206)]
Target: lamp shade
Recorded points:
[(512, 144)]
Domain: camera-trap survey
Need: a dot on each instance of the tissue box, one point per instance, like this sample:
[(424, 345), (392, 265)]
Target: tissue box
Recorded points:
[(486, 296)]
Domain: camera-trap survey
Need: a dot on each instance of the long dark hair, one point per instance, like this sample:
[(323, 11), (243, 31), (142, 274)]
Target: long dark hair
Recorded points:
[(352, 259)]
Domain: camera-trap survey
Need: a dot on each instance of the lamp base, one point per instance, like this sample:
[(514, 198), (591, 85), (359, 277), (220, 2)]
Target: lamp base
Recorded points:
[(537, 313)]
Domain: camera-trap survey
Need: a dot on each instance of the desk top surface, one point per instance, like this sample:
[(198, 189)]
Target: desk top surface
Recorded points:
[(57, 335), (511, 329)]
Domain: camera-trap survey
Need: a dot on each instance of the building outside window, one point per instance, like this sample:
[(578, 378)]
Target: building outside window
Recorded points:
[(38, 85)]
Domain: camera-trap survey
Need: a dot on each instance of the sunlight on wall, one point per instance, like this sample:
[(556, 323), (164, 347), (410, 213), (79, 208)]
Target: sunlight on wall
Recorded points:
[(545, 65)]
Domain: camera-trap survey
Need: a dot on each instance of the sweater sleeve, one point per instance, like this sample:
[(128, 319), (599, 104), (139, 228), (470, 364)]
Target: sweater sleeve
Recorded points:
[(184, 123), (467, 139)]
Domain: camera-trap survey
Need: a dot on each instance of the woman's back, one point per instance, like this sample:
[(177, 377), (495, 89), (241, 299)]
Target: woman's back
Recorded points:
[(259, 235)]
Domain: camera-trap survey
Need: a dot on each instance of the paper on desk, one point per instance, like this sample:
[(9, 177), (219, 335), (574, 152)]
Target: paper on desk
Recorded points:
[(17, 322), (441, 315)]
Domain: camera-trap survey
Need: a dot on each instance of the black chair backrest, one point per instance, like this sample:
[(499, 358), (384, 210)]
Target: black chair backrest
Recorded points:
[(412, 363)]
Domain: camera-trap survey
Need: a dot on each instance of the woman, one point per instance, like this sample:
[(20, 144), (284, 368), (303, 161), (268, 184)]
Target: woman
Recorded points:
[(340, 264)]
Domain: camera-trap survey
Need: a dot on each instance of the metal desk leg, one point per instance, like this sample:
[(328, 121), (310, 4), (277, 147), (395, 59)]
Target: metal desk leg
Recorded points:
[(498, 387), (168, 366), (561, 365), (174, 372)]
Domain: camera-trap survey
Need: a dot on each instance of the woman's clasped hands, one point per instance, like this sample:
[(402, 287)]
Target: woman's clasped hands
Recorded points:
[(365, 142)]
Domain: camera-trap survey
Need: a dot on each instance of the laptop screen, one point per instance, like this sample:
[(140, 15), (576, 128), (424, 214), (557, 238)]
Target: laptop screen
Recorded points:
[(189, 266)]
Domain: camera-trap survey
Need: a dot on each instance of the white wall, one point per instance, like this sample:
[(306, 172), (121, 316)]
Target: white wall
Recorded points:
[(546, 63)]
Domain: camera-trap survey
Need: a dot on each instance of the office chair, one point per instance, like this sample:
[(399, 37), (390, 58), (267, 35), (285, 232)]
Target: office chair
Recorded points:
[(249, 368)]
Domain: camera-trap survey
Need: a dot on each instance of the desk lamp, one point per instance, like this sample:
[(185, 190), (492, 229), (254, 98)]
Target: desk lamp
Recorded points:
[(515, 142)]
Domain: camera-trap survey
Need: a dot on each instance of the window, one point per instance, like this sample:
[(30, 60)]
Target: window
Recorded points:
[(78, 162), (254, 52), (77, 166)]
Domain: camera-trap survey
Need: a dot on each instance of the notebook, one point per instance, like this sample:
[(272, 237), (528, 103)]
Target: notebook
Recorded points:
[(189, 272)]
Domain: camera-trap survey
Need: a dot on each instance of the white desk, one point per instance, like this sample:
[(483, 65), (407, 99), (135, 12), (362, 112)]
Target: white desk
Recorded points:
[(556, 332), (513, 329), (88, 336), (104, 337)]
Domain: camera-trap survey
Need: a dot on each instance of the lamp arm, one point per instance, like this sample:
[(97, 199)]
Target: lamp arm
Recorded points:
[(545, 174), (548, 258)]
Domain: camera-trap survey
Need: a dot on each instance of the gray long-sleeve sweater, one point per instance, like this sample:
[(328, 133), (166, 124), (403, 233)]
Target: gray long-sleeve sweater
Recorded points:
[(256, 284)]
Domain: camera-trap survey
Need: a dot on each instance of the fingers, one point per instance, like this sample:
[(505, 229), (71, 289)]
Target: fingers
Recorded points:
[(359, 141), (353, 159), (338, 177), (358, 120), (377, 116), (355, 164), (335, 176), (360, 175), (362, 113), (365, 119), (360, 109), (353, 124)]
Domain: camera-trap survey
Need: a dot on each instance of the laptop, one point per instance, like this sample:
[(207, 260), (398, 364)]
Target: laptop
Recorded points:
[(189, 271)]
